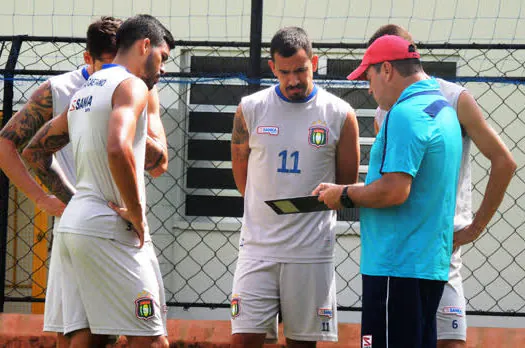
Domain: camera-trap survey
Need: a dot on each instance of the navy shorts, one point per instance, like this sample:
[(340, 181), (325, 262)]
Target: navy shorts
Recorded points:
[(400, 311)]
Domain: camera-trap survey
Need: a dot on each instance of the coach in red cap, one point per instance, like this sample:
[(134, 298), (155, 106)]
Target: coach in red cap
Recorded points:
[(407, 202), (385, 48)]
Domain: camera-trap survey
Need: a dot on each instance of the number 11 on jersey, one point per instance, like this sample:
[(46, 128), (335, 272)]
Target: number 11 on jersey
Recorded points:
[(284, 156)]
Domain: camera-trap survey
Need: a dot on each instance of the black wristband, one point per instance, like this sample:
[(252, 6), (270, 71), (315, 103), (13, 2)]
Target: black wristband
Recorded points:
[(345, 200)]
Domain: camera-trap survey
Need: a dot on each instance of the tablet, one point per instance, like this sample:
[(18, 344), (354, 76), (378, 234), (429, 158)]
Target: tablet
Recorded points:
[(306, 204)]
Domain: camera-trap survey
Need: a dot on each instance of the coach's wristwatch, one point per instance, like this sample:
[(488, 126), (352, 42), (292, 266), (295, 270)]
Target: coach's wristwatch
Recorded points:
[(345, 200)]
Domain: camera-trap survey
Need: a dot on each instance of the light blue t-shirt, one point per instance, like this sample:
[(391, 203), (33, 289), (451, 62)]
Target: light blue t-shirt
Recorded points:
[(421, 136)]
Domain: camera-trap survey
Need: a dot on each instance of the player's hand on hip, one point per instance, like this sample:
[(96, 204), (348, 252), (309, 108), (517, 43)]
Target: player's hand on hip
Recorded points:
[(330, 194), (136, 220), (467, 235), (51, 205)]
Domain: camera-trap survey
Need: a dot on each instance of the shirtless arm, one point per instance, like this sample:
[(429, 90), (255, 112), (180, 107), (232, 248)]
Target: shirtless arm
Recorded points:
[(501, 170), (52, 137), (156, 146), (240, 150), (16, 135)]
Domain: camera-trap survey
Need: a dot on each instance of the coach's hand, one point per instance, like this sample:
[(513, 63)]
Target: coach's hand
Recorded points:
[(136, 219), (51, 205), (330, 194)]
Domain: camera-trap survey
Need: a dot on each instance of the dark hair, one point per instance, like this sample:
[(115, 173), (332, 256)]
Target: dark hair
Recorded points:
[(143, 26), (101, 36), (405, 67), (391, 29), (287, 41)]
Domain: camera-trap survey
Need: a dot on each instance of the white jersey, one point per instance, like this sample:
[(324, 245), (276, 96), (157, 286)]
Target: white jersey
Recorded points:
[(62, 89), (292, 149), (463, 213), (88, 212)]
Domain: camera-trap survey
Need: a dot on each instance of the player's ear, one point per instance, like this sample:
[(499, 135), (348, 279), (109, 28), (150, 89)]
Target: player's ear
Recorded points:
[(144, 46), (271, 64), (389, 70), (87, 58), (315, 62)]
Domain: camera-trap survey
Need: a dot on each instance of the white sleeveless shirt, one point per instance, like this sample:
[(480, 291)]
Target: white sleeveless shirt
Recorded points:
[(62, 89), (292, 149), (88, 212)]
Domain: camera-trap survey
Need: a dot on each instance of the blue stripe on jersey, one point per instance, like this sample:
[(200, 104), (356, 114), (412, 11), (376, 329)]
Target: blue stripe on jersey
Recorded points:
[(433, 109), (85, 73), (309, 97), (111, 65)]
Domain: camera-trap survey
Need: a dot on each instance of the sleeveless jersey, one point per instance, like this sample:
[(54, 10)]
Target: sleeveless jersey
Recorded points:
[(62, 89), (463, 213), (88, 212), (292, 150)]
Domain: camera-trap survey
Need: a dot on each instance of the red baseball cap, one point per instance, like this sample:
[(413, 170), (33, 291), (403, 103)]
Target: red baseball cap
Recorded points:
[(385, 48)]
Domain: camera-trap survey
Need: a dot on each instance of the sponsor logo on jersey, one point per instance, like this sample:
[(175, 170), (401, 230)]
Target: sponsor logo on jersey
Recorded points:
[(317, 136), (453, 310), (144, 308), (81, 103), (235, 306), (271, 130), (325, 312), (367, 341)]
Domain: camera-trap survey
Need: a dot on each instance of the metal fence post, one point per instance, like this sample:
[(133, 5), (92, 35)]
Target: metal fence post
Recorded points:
[(256, 39), (4, 181)]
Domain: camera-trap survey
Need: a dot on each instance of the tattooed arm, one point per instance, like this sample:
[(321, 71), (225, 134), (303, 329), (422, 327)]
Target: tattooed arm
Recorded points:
[(39, 154), (15, 135), (240, 149), (156, 147)]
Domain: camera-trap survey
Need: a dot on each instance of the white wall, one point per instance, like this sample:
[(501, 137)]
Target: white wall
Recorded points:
[(436, 21)]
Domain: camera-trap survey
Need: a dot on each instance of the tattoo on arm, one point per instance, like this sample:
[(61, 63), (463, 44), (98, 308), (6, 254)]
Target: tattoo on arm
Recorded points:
[(40, 155), (26, 122), (240, 130)]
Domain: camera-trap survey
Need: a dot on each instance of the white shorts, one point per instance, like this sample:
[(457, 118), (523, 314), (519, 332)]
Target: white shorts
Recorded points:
[(53, 319), (451, 314), (109, 287), (305, 293)]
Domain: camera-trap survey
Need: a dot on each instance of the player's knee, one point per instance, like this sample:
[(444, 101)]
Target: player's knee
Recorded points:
[(451, 344), (247, 340), (300, 344), (62, 340), (148, 341)]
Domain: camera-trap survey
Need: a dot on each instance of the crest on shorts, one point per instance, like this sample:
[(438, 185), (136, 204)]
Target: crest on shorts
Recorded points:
[(318, 134), (235, 306), (144, 308)]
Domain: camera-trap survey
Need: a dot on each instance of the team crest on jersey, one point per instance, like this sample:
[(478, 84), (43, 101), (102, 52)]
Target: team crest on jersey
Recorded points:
[(367, 341), (271, 130), (81, 103), (235, 306), (318, 134), (144, 306)]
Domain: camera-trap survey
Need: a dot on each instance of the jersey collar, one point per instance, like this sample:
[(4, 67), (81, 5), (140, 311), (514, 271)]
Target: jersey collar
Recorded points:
[(308, 98)]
